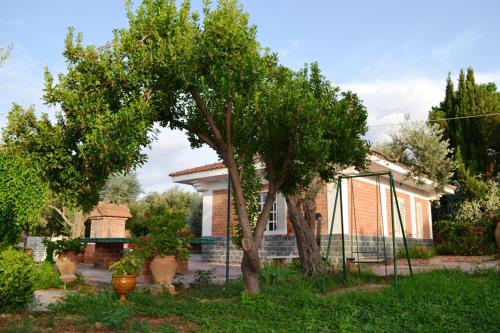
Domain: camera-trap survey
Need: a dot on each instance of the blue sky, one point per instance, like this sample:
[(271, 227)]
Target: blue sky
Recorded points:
[(394, 54)]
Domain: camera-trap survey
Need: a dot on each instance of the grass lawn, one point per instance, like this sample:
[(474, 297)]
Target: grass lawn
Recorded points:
[(437, 301)]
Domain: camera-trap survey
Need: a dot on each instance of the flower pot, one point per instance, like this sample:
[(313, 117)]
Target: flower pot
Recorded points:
[(124, 284), (67, 263), (163, 269)]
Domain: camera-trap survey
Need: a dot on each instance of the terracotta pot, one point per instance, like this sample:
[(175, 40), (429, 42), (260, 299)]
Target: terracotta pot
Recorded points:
[(124, 284), (28, 251), (163, 269), (67, 263), (497, 234)]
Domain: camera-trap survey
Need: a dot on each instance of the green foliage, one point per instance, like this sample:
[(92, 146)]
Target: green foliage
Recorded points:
[(478, 209), (463, 238), (45, 276), (417, 252), (436, 301), (22, 197), (5, 53), (161, 206), (102, 308), (64, 245), (203, 278), (16, 285), (309, 128), (167, 236), (129, 264), (475, 140), (121, 188), (424, 148)]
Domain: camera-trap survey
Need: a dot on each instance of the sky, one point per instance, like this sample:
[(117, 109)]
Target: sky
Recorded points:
[(395, 55)]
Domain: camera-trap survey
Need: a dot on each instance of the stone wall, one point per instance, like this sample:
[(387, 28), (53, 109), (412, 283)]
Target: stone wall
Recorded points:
[(36, 244), (284, 247)]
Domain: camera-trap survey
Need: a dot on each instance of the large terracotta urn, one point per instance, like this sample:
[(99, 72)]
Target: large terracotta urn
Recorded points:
[(67, 263), (163, 269), (124, 284)]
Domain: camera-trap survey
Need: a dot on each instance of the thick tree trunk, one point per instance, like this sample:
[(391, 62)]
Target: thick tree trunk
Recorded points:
[(250, 276), (302, 213)]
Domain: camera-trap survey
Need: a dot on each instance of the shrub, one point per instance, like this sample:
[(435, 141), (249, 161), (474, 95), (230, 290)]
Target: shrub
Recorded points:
[(102, 308), (64, 245), (16, 285), (417, 252), (45, 276), (203, 278), (129, 264), (464, 238)]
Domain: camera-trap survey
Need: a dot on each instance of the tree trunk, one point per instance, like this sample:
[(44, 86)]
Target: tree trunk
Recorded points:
[(302, 213), (250, 276)]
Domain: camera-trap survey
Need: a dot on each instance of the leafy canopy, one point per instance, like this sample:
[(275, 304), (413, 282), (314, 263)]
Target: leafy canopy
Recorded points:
[(423, 147), (475, 140), (22, 197)]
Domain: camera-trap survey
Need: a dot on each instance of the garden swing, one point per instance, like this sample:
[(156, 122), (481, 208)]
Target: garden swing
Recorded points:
[(376, 256)]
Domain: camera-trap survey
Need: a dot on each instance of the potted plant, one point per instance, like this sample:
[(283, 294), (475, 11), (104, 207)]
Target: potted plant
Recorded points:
[(124, 273), (66, 252), (164, 245)]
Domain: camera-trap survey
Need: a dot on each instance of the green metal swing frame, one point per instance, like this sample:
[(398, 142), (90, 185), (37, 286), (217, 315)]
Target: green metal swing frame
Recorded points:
[(338, 198)]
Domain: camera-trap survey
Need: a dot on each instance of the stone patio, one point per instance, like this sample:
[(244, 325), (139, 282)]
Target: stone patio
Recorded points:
[(95, 275)]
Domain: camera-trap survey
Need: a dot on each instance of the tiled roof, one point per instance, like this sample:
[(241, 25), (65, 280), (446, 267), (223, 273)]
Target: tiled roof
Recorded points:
[(110, 210), (220, 165), (207, 167)]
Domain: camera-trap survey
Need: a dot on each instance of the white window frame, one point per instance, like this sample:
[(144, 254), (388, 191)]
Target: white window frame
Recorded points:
[(419, 218), (273, 214), (402, 209)]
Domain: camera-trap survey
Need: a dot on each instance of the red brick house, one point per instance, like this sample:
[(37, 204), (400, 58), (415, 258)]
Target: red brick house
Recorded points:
[(360, 211)]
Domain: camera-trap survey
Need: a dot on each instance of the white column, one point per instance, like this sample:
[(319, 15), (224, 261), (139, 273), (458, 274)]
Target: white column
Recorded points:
[(345, 208), (430, 219), (383, 199), (206, 225), (413, 214)]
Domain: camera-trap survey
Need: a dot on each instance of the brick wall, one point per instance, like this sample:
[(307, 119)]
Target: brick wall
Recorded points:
[(363, 206), (219, 213), (89, 255), (107, 254), (103, 227)]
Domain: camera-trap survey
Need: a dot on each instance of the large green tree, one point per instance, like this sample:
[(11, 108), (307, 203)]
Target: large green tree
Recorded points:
[(173, 201), (209, 77), (168, 67), (424, 148), (22, 197), (121, 188), (309, 132), (474, 135)]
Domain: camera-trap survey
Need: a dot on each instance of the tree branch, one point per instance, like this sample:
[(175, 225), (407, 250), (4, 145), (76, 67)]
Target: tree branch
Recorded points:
[(61, 213), (208, 117)]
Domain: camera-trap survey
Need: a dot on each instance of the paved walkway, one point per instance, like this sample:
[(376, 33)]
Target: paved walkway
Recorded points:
[(467, 264), (43, 298), (100, 275)]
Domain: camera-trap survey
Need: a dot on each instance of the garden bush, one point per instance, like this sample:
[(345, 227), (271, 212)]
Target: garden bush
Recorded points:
[(16, 285), (45, 276), (464, 238), (417, 252)]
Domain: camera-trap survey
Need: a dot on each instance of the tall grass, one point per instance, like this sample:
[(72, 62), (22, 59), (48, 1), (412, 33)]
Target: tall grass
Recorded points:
[(437, 301)]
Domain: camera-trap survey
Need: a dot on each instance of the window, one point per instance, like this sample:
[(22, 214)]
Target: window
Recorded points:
[(402, 209), (272, 224), (420, 221)]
